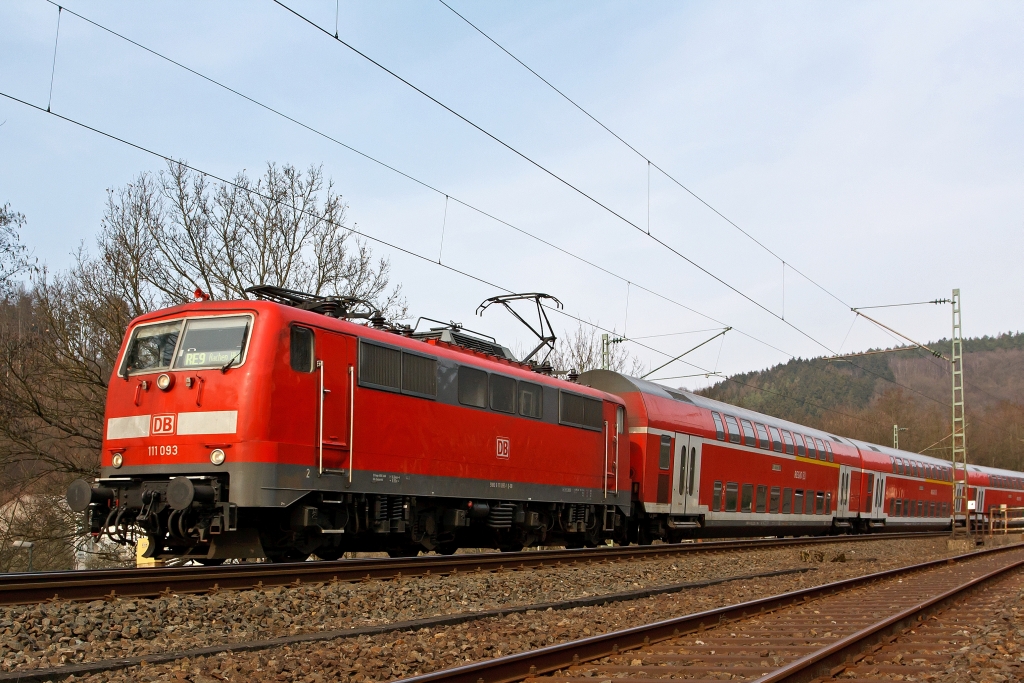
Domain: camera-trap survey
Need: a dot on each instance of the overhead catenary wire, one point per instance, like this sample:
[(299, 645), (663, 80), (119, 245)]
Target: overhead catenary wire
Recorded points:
[(491, 216), (587, 196), (398, 248), (419, 181), (641, 155)]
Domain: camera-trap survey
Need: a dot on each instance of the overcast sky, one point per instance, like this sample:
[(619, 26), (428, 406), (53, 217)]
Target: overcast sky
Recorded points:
[(878, 148)]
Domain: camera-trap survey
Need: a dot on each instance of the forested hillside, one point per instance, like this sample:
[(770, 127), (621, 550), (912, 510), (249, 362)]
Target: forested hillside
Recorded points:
[(863, 396)]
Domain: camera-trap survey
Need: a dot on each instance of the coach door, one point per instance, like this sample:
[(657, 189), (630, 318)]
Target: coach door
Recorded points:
[(878, 497), (686, 481), (843, 503), (335, 359)]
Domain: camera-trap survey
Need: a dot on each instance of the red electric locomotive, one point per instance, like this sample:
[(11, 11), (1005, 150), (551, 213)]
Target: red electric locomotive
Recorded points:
[(256, 429)]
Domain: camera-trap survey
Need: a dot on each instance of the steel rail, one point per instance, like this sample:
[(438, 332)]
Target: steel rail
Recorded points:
[(439, 621), (552, 658), (22, 588)]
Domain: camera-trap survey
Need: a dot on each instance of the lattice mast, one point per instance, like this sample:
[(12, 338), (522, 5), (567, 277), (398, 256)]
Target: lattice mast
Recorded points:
[(959, 422)]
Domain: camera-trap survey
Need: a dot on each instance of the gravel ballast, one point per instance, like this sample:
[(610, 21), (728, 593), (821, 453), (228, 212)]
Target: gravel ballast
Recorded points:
[(53, 634)]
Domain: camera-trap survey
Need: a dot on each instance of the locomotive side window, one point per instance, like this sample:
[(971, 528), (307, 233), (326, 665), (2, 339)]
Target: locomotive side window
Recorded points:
[(734, 429), (503, 394), (213, 342), (419, 375), (151, 347), (762, 495), (579, 411), (800, 450), (531, 399), (665, 454), (472, 387), (380, 366), (747, 503), (719, 427), (762, 435), (749, 438), (301, 349), (787, 495), (731, 489), (776, 441), (788, 439), (620, 420), (716, 497)]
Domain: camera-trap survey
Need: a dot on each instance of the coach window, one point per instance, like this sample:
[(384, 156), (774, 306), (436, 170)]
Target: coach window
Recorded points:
[(893, 511), (798, 502), (787, 493), (828, 502), (821, 449), (747, 503), (716, 497), (301, 349), (734, 428), (776, 441), (665, 455), (811, 453), (906, 507), (719, 428), (773, 500), (749, 437), (789, 442), (762, 496), (472, 387), (809, 503), (762, 435), (819, 498), (531, 402), (731, 490), (503, 394), (892, 461), (828, 447), (800, 450)]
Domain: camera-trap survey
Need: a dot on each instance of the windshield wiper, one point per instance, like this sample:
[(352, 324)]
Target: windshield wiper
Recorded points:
[(224, 368)]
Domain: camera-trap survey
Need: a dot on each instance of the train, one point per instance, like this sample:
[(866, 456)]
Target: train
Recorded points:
[(288, 426)]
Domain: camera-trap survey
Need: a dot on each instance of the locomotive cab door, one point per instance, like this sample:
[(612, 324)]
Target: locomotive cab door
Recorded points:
[(686, 480), (335, 360)]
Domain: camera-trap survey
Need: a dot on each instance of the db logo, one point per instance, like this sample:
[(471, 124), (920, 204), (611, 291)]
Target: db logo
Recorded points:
[(163, 424), (502, 448)]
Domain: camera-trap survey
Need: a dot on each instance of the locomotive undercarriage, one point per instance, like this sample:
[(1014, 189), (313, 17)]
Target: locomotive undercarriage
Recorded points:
[(191, 518)]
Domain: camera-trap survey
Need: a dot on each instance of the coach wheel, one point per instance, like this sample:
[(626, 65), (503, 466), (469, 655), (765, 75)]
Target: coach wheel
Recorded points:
[(405, 551), (446, 548)]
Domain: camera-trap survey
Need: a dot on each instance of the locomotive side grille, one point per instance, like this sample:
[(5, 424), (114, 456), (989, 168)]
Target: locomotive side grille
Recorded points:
[(419, 374), (380, 365), (501, 516), (579, 410)]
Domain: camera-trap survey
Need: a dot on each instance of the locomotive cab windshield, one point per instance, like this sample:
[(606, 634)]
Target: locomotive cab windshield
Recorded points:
[(217, 342)]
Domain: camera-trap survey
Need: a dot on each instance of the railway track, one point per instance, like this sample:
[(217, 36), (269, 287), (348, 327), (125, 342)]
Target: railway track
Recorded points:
[(800, 636), (26, 588)]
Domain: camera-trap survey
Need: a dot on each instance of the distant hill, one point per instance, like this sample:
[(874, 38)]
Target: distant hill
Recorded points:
[(861, 397)]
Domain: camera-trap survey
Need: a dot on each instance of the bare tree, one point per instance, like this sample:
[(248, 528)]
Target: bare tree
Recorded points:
[(14, 256), (580, 350), (162, 236)]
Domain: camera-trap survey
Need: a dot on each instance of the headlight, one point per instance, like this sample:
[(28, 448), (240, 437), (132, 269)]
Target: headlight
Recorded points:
[(164, 382), (217, 456), (117, 460)]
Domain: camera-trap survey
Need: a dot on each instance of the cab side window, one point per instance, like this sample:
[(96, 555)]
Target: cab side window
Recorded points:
[(301, 349)]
